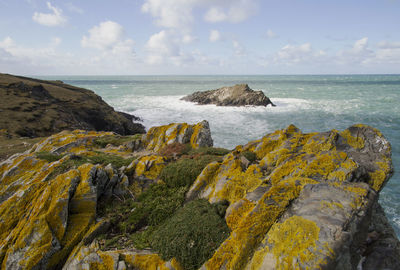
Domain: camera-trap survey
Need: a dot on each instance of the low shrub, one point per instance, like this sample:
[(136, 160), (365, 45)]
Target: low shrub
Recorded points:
[(184, 172), (151, 208), (191, 235)]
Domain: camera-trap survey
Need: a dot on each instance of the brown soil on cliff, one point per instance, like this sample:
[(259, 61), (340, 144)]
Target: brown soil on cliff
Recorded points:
[(37, 108)]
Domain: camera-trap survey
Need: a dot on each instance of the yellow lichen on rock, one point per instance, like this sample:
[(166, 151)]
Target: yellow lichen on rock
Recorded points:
[(293, 240), (354, 141), (148, 166), (197, 135), (251, 228), (379, 176)]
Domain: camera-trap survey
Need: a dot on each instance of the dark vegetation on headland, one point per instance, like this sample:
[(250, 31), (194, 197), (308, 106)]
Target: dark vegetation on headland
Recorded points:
[(32, 108)]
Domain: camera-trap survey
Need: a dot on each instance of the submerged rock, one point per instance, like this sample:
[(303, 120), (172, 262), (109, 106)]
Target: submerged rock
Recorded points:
[(237, 95), (38, 108), (293, 200)]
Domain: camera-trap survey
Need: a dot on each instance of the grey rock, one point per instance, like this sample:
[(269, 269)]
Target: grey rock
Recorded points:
[(237, 95)]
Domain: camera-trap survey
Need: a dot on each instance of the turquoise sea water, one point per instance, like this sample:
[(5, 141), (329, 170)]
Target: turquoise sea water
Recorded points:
[(312, 103)]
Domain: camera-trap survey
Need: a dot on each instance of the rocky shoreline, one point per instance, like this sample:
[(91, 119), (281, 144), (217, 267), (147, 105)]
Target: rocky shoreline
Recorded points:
[(168, 199), (87, 199)]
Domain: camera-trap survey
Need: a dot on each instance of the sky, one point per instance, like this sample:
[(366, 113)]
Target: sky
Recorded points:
[(195, 37)]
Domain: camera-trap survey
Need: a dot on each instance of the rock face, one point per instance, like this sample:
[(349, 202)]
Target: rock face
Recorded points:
[(305, 203), (37, 108), (293, 200), (237, 95)]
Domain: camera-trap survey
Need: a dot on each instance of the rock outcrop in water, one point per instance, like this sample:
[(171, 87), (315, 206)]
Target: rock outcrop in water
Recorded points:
[(237, 95), (97, 200), (36, 108)]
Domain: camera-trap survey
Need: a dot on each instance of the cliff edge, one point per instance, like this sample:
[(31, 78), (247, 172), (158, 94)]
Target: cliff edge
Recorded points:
[(37, 108)]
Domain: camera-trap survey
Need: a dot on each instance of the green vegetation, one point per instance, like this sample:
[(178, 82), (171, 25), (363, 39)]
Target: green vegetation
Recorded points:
[(150, 209), (75, 161), (250, 156), (209, 151), (191, 235), (49, 157), (104, 159), (185, 171), (114, 140)]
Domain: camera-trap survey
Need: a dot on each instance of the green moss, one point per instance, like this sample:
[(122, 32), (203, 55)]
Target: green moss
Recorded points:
[(49, 157), (185, 171), (191, 235), (114, 140)]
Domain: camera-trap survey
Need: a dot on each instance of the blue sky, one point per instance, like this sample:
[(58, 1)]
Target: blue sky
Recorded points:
[(139, 37)]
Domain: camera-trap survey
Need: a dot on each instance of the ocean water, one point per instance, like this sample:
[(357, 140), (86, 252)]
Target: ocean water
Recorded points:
[(312, 103)]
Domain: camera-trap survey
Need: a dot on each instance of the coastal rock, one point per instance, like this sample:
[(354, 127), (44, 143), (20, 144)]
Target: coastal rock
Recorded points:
[(288, 200), (38, 108), (198, 135), (48, 199), (237, 95), (305, 203), (92, 257)]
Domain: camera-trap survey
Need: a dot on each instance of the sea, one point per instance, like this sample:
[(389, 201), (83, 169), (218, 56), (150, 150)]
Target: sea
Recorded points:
[(311, 102)]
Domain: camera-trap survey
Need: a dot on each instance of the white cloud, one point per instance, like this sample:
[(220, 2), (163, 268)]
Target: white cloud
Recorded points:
[(178, 14), (215, 35), (49, 59), (238, 48), (215, 14), (233, 11), (187, 39), (164, 49), (19, 58), (170, 13), (360, 45), (71, 7), (387, 53), (161, 46), (360, 53), (109, 37), (270, 34), (389, 45), (55, 18), (297, 54), (55, 41)]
